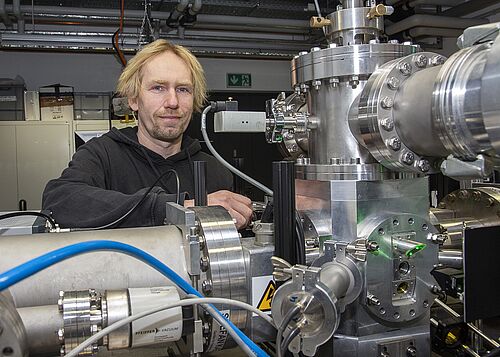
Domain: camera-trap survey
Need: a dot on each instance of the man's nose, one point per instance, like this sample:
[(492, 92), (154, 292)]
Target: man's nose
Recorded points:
[(170, 100)]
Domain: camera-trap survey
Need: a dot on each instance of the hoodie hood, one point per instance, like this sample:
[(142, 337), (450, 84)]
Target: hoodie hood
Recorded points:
[(128, 136)]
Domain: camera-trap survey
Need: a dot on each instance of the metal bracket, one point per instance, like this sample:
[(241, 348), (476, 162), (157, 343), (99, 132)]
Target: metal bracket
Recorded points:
[(478, 34), (185, 220), (464, 170)]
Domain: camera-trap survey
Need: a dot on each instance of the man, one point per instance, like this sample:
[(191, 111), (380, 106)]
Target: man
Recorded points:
[(107, 176)]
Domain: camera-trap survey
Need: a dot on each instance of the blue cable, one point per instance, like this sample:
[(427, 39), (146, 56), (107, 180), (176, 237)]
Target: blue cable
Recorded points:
[(35, 265)]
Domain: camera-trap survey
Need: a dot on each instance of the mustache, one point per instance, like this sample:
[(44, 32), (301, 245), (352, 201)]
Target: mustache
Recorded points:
[(169, 113)]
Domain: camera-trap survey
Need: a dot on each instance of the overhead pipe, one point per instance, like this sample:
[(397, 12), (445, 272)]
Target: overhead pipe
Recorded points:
[(195, 8), (432, 21), (83, 14), (415, 3), (16, 5), (419, 32), (3, 14), (178, 11)]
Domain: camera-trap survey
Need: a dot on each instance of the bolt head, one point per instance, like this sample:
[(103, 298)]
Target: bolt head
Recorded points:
[(204, 263), (387, 102), (437, 60), (334, 82), (424, 165), (421, 61), (394, 144), (60, 334), (302, 53), (387, 124), (394, 42), (411, 351), (207, 287), (393, 83), (314, 49), (372, 246), (408, 158), (332, 45), (405, 68)]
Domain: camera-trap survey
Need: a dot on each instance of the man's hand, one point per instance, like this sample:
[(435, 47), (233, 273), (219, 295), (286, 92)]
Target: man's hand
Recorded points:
[(238, 206)]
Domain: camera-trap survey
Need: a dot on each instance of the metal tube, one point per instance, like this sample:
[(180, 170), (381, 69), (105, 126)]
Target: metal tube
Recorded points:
[(98, 270), (432, 21), (4, 15), (284, 210), (200, 183), (471, 326), (222, 20), (451, 258), (433, 32), (337, 278), (42, 324)]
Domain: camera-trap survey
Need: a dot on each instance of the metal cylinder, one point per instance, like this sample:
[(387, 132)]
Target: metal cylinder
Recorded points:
[(337, 278), (451, 258), (42, 324), (413, 105), (100, 270), (457, 104)]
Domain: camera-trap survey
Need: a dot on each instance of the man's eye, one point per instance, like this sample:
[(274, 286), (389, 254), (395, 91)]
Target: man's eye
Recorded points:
[(158, 88), (184, 90)]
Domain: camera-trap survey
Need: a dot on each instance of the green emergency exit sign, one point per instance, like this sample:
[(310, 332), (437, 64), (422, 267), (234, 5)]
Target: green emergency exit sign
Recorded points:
[(242, 80)]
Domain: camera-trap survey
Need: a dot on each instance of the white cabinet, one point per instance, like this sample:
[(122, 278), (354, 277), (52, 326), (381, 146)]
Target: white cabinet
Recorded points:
[(32, 153)]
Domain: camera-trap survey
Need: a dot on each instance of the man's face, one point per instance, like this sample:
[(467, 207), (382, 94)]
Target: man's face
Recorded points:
[(165, 101)]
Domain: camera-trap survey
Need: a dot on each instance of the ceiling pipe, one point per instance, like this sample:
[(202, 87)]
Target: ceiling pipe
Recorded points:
[(178, 11), (432, 21), (3, 15), (137, 14), (195, 8), (16, 6), (416, 3), (419, 32)]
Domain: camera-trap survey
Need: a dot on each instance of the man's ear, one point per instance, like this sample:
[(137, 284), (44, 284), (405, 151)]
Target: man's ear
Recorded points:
[(132, 103)]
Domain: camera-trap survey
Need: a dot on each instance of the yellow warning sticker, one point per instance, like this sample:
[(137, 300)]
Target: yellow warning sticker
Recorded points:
[(267, 298)]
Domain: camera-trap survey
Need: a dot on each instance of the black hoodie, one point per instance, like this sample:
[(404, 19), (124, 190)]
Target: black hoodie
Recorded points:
[(108, 175)]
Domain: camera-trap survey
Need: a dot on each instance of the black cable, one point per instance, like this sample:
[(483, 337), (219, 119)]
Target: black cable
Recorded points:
[(493, 353), (288, 339), (134, 207), (30, 213), (294, 311), (299, 240)]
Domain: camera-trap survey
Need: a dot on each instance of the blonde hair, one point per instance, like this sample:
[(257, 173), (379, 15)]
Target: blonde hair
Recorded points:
[(129, 83)]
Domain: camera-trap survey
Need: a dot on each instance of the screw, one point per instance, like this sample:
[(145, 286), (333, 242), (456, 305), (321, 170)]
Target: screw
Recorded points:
[(316, 84), (204, 263), (394, 42), (60, 301), (293, 148), (355, 160), (490, 202), (387, 102), (407, 43), (411, 351), (314, 49), (372, 246), (354, 81), (60, 334), (304, 87), (334, 82), (463, 194), (405, 68), (374, 41), (421, 61), (437, 60), (394, 144), (372, 300), (393, 82), (424, 165), (408, 158), (332, 45), (207, 287), (439, 238), (387, 124), (302, 53)]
